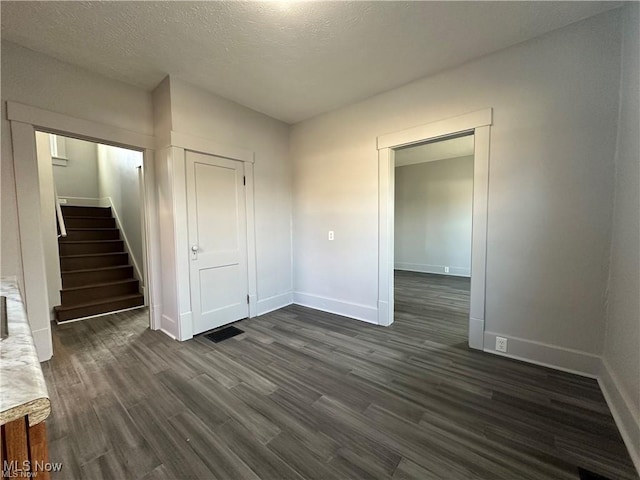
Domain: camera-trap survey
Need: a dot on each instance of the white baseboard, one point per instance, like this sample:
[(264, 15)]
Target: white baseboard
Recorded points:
[(184, 326), (42, 341), (384, 317), (169, 326), (476, 333), (274, 303), (168, 334), (339, 307), (624, 412), (425, 268), (546, 355), (155, 319)]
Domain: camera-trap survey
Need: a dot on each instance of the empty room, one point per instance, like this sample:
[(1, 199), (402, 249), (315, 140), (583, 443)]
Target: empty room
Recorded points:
[(319, 240)]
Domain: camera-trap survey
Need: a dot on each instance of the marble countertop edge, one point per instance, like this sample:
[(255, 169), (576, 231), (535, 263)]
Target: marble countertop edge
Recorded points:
[(23, 390), (37, 410)]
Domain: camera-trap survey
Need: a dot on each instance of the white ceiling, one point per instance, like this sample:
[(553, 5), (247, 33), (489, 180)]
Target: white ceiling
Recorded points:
[(432, 152), (290, 60)]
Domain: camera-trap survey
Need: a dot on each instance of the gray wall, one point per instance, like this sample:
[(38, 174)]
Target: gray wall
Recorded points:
[(205, 115), (622, 340), (38, 80), (118, 179), (433, 211), (79, 178), (555, 102)]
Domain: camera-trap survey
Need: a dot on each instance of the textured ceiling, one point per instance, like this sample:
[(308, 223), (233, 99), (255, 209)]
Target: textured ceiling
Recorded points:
[(431, 152), (290, 60)]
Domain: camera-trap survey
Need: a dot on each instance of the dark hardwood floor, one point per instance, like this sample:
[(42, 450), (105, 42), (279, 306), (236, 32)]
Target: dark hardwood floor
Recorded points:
[(305, 394)]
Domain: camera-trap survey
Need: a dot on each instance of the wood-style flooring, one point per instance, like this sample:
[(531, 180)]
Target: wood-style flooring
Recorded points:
[(306, 394)]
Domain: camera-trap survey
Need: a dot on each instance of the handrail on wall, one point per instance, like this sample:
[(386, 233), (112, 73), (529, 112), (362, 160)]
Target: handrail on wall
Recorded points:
[(63, 228)]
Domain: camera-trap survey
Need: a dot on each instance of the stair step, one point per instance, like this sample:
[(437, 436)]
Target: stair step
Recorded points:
[(92, 276), (75, 211), (92, 260), (97, 307), (80, 234), (89, 222), (88, 293), (90, 246)]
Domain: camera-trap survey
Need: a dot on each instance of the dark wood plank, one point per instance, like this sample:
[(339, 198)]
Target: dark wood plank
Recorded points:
[(212, 450), (259, 458), (307, 394)]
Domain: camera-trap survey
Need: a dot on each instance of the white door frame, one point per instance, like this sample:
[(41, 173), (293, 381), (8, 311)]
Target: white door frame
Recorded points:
[(478, 123), (25, 120), (197, 238), (179, 143)]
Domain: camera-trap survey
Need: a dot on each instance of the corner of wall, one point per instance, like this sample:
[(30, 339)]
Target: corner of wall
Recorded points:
[(162, 118), (627, 418)]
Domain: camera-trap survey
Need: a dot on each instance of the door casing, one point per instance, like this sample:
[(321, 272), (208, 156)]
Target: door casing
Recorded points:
[(479, 123), (25, 120), (173, 150)]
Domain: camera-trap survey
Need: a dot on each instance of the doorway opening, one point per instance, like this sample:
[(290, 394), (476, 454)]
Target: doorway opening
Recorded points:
[(479, 124), (92, 214), (432, 237)]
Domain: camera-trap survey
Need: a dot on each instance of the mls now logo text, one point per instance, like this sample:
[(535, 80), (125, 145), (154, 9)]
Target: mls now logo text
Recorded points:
[(27, 469)]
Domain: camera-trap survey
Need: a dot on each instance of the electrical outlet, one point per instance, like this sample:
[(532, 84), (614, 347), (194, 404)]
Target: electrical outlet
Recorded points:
[(446, 269), (501, 344), (331, 235)]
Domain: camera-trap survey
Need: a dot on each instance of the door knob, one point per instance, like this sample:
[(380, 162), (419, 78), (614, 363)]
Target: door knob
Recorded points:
[(194, 248)]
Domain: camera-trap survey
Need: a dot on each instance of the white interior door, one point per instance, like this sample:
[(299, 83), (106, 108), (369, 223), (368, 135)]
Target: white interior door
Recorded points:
[(217, 240)]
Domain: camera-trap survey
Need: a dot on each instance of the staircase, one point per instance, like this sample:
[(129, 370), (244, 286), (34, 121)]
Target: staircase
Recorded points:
[(96, 275)]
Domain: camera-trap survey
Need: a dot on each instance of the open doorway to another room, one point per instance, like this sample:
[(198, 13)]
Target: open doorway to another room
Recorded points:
[(92, 213), (433, 237)]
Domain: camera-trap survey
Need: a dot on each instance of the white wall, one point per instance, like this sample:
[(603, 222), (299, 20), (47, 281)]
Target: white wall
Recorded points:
[(119, 181), (550, 188), (621, 373), (79, 178), (433, 203), (41, 81), (168, 266), (196, 112)]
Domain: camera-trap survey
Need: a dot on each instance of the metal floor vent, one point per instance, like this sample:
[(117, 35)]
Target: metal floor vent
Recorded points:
[(223, 334)]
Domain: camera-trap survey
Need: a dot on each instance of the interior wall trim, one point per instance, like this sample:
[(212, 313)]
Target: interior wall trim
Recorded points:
[(356, 311), (479, 124), (273, 303), (627, 418), (547, 355), (25, 121), (198, 144), (53, 122), (181, 144)]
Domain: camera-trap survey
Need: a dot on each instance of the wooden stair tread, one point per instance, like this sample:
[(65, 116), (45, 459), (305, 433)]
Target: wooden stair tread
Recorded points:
[(90, 229), (97, 269), (82, 216), (110, 240), (91, 254), (101, 301), (97, 275), (103, 284)]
